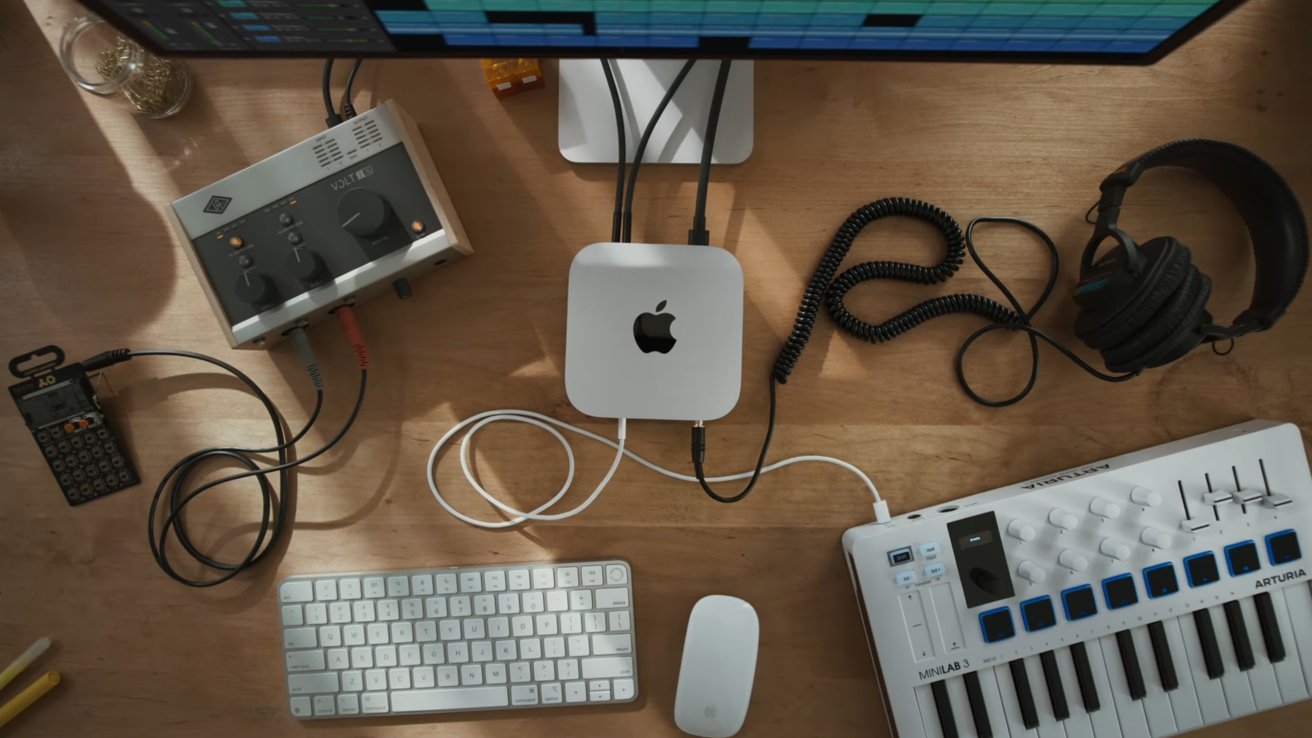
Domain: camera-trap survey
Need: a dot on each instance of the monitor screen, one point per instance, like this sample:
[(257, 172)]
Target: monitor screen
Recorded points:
[(1004, 30)]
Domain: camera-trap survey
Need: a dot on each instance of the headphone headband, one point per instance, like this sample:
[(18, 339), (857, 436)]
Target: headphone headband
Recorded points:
[(1264, 200)]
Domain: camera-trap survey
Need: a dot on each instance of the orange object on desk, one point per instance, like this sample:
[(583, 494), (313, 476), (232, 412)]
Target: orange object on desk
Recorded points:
[(509, 77)]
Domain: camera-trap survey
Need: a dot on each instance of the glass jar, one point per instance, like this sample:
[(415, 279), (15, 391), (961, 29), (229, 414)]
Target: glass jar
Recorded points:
[(102, 62)]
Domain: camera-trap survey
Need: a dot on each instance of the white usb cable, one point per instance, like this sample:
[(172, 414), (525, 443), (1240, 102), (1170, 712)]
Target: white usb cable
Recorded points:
[(477, 422)]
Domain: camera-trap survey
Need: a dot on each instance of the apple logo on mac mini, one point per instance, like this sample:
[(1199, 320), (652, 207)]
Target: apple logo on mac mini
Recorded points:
[(652, 333)]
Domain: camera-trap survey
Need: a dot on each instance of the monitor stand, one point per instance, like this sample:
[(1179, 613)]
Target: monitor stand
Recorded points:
[(587, 120)]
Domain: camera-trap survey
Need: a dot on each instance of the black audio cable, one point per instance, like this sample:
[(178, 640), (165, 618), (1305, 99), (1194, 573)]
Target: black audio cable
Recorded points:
[(825, 288), (274, 513), (698, 235), (332, 117), (642, 145), (623, 148), (348, 105)]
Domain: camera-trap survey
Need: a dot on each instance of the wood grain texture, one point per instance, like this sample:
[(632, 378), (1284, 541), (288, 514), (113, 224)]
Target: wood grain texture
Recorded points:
[(87, 261)]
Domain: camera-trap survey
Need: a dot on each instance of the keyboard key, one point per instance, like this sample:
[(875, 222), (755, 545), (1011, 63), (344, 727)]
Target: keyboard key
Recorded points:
[(508, 603), (544, 578), (325, 705), (567, 577), (480, 651), (618, 620), (1080, 723), (339, 613), (1128, 710), (567, 669), (617, 574), (518, 579), (296, 591), (1200, 569), (470, 582), (292, 616), (339, 658), (398, 678), (316, 614), (375, 679), (943, 708), (348, 704), (421, 585), (551, 694), (485, 604), (398, 586), (506, 650), (1290, 671), (448, 676), (520, 672), (330, 635), (1266, 690), (305, 661), (325, 590), (579, 646), (1130, 664), (495, 673), (494, 581), (1266, 619), (301, 706), (374, 587), (592, 576), (457, 653), (362, 657), (576, 692), (607, 645), (377, 634), (1162, 655), (533, 602), (412, 608), (608, 667), (558, 600), (1234, 617), (435, 608), (449, 630), (433, 653), (385, 656), (1025, 698), (373, 703), (362, 611), (299, 638), (1056, 692), (1084, 678), (979, 712), (553, 648), (611, 598), (544, 671), (444, 584), (389, 610), (524, 694), (349, 588), (530, 648), (1184, 699), (317, 683), (594, 622), (1210, 648), (580, 599), (471, 675), (409, 655)]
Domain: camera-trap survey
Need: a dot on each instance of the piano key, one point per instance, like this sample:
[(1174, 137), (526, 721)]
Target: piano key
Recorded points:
[(1162, 655), (979, 711), (1234, 682), (928, 711), (1128, 709), (1211, 698), (1272, 642), (1084, 678), (943, 708), (1024, 697), (1184, 700), (1014, 720), (961, 708), (1105, 720), (1130, 664), (1298, 600), (1052, 678), (1289, 671), (988, 686), (1078, 725), (1049, 725), (1234, 620), (1211, 649), (1156, 703), (1266, 690)]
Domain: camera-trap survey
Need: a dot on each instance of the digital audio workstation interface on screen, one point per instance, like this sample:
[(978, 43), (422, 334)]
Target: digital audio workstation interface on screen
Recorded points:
[(750, 27)]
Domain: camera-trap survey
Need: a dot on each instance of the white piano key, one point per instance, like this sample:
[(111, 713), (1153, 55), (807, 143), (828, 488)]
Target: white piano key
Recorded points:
[(1298, 599), (1106, 723), (1184, 699), (1156, 705), (928, 713), (1134, 724), (1049, 726), (1011, 704), (1238, 692), (988, 685), (1262, 677), (1078, 725), (1211, 697), (965, 719), (1289, 672)]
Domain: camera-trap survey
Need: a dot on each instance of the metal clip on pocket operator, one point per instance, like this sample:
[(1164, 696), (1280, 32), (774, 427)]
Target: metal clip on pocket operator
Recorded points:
[(338, 217)]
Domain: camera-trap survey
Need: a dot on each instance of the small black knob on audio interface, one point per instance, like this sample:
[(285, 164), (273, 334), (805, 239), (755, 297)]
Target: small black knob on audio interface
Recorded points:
[(307, 266), (364, 213), (255, 288)]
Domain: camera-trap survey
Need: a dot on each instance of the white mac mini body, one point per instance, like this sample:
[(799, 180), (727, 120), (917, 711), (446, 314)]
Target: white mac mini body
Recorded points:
[(654, 332)]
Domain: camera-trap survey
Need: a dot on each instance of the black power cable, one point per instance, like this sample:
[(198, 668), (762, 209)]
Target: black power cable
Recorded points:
[(623, 148), (698, 235), (642, 146)]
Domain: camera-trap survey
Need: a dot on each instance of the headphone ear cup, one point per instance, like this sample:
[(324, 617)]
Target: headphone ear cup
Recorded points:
[(1161, 338), (1168, 264)]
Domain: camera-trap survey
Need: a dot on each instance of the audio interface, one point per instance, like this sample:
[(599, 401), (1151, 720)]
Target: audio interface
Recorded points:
[(339, 217)]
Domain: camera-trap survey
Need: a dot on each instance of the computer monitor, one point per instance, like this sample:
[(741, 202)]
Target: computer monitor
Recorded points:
[(1089, 31)]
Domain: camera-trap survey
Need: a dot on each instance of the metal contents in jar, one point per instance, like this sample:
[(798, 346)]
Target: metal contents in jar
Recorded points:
[(155, 87)]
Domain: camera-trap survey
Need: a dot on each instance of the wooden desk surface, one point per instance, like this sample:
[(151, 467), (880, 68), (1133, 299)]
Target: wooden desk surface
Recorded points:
[(86, 261)]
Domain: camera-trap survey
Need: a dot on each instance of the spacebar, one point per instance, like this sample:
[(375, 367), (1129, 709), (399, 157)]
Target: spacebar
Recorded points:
[(456, 698)]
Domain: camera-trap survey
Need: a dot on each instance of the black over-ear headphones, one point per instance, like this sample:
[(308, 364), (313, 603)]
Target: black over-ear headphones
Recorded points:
[(1144, 305)]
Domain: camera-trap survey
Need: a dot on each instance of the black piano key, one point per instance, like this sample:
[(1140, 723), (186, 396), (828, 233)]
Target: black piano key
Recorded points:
[(944, 708), (1211, 649), (1266, 619), (1162, 652), (1130, 663), (1084, 675), (1234, 618), (978, 710), (1029, 716), (1052, 677)]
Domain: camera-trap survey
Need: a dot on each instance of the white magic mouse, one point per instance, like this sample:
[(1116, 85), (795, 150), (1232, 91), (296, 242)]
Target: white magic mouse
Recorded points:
[(719, 664)]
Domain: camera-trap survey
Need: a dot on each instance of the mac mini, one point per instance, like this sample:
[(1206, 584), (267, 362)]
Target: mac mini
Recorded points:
[(654, 331)]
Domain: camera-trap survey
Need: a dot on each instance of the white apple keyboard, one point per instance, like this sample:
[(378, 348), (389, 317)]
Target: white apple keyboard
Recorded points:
[(460, 638)]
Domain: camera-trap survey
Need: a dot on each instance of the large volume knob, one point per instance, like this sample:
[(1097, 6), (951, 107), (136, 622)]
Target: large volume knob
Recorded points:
[(1023, 531), (1156, 538), (1063, 519), (1073, 560), (1113, 549), (1031, 572), (254, 288), (1146, 497), (1104, 508), (364, 213)]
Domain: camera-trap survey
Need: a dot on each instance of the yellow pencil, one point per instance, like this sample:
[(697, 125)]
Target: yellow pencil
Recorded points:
[(35, 691), (22, 662)]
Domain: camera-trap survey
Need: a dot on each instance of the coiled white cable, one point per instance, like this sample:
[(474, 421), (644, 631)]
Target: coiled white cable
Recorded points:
[(477, 422)]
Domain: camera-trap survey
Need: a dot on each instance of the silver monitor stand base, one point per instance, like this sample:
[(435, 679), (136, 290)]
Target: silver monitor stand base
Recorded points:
[(587, 120)]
